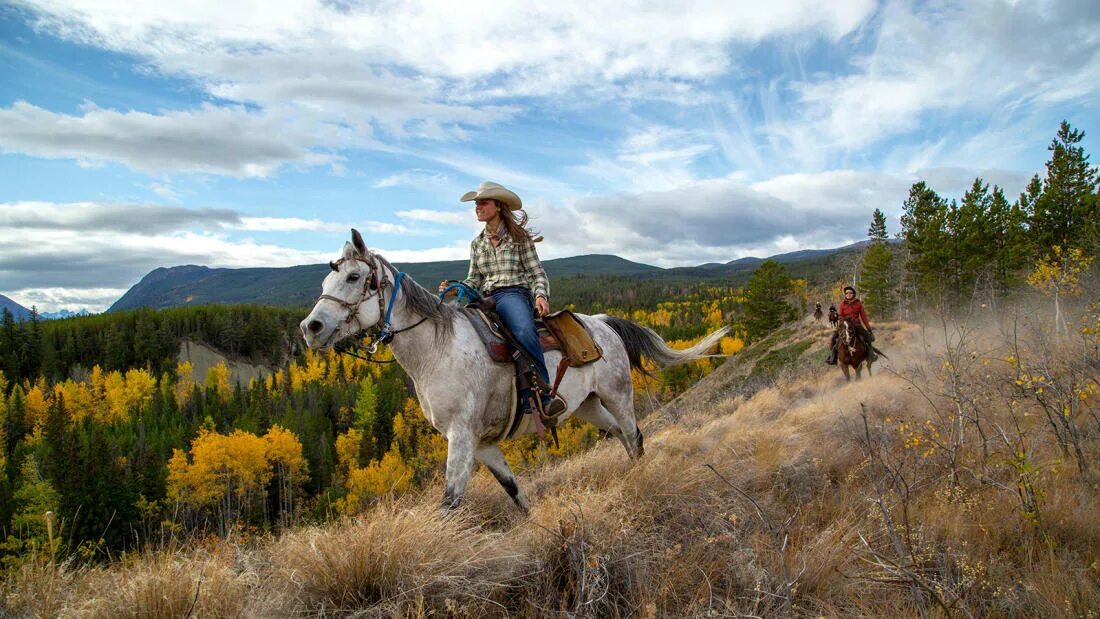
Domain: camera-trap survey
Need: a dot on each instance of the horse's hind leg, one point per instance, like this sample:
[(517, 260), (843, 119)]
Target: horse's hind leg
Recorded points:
[(493, 459), (615, 415)]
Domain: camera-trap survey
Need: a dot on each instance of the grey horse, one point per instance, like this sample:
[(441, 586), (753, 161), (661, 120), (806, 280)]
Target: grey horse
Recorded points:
[(464, 394)]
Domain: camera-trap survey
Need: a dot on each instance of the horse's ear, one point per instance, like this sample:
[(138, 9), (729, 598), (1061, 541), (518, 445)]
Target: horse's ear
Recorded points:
[(357, 240), (350, 253), (332, 265)]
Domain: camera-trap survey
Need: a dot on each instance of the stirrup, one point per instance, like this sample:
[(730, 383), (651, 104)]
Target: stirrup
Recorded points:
[(550, 411)]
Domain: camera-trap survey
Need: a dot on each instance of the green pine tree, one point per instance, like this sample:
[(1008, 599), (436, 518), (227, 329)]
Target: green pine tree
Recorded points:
[(876, 276), (924, 222), (1007, 231), (765, 307), (1067, 212), (972, 240), (877, 231)]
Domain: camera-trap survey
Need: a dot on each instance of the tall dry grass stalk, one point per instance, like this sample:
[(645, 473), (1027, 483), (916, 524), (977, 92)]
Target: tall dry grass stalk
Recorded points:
[(956, 497)]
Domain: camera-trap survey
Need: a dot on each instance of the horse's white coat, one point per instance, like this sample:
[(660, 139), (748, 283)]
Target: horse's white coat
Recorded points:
[(464, 394)]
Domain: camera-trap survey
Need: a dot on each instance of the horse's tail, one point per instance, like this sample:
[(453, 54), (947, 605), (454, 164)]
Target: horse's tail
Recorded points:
[(644, 342)]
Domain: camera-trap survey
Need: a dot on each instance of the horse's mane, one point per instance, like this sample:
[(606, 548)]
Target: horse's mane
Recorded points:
[(419, 301)]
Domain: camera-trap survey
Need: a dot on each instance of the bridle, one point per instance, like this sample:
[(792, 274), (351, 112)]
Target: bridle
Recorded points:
[(375, 289), (368, 292)]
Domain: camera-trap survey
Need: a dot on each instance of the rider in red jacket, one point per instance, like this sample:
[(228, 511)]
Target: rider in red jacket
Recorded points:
[(852, 308)]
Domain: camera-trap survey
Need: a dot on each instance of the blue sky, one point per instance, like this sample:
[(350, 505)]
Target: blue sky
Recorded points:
[(139, 135)]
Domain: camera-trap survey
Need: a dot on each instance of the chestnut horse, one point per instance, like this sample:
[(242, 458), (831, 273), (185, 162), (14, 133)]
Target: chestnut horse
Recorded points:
[(851, 350)]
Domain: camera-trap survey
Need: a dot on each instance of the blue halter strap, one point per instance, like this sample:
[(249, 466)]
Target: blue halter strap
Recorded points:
[(384, 334)]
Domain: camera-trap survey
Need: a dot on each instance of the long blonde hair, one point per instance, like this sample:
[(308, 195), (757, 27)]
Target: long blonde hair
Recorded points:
[(515, 222)]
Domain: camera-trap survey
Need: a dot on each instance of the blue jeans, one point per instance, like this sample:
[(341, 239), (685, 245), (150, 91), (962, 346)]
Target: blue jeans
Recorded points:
[(517, 311)]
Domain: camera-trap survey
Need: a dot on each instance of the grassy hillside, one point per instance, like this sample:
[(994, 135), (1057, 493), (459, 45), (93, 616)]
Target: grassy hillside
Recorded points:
[(959, 480)]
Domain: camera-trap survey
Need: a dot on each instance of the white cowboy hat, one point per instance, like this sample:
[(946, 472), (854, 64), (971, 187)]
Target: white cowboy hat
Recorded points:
[(494, 191)]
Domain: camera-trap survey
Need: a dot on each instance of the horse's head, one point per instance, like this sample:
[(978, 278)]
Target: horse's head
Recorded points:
[(846, 329), (347, 302)]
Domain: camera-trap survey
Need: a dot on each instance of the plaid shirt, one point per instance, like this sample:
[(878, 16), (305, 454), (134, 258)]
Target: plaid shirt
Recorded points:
[(507, 264)]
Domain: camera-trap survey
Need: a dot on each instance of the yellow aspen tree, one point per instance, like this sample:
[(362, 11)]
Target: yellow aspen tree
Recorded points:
[(347, 449), (140, 386), (730, 345), (284, 456), (217, 378), (179, 487), (185, 382), (78, 399), (36, 404), (390, 474), (97, 386), (1058, 275), (114, 393)]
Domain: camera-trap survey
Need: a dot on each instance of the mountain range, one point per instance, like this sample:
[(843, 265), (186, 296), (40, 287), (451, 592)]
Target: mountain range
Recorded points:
[(299, 285), (21, 313)]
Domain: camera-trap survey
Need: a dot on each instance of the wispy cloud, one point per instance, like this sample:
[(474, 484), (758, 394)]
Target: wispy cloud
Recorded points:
[(412, 178)]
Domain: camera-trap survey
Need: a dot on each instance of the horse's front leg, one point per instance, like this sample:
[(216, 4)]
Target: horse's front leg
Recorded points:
[(460, 465), (493, 459)]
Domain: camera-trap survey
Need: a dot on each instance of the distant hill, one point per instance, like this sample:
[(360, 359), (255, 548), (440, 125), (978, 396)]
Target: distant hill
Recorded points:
[(21, 313), (298, 286)]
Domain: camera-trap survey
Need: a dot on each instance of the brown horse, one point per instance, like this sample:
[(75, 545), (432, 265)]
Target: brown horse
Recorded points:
[(851, 351)]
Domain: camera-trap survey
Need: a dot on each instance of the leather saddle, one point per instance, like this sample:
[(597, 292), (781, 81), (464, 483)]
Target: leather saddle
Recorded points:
[(553, 330), (488, 327)]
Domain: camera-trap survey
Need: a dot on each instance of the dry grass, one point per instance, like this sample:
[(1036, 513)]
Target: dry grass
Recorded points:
[(788, 521)]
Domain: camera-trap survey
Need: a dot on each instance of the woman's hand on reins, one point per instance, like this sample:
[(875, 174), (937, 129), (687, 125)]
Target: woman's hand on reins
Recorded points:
[(542, 306), (443, 285)]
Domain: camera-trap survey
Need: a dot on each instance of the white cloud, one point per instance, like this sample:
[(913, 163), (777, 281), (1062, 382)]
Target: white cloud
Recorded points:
[(558, 44), (989, 57), (113, 259), (220, 140), (165, 191), (457, 251), (72, 299), (466, 219), (654, 158), (37, 217), (412, 178)]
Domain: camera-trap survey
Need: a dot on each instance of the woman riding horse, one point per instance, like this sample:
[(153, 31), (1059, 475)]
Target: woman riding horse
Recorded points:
[(505, 266), (853, 308)]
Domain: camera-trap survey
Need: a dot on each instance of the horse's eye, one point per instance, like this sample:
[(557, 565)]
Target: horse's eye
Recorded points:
[(353, 277)]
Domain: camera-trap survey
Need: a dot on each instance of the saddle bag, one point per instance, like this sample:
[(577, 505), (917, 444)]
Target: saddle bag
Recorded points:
[(576, 343)]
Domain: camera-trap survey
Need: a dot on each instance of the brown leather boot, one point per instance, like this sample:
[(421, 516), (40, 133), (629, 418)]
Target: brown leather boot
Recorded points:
[(554, 408)]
